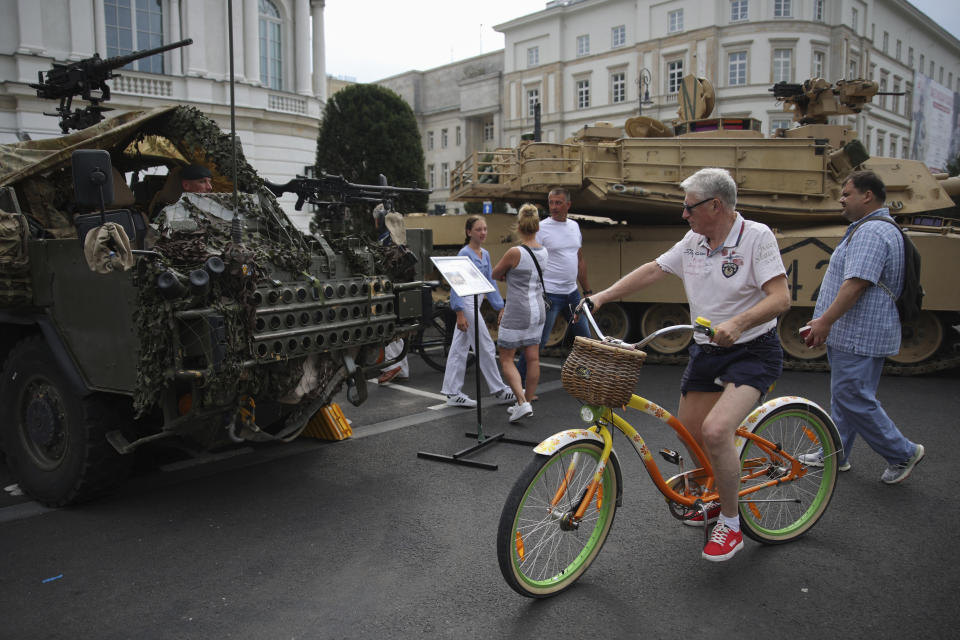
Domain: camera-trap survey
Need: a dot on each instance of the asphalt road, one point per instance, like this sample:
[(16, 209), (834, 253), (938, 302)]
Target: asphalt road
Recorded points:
[(363, 539)]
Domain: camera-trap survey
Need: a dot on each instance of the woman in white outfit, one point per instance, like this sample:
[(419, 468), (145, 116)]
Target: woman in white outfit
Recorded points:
[(521, 321), (476, 232)]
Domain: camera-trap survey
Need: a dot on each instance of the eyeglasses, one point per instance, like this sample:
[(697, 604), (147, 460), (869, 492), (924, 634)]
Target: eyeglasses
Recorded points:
[(690, 207)]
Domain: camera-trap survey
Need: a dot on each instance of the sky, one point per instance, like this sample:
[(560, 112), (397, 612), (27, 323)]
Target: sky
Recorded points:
[(368, 40)]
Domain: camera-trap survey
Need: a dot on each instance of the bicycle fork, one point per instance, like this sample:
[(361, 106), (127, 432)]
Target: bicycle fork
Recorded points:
[(570, 519)]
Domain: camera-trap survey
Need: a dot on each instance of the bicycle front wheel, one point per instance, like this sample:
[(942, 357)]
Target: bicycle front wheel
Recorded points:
[(541, 550), (790, 507), (435, 337)]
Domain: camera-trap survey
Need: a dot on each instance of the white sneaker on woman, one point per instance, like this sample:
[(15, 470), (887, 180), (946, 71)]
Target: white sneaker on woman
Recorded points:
[(520, 411)]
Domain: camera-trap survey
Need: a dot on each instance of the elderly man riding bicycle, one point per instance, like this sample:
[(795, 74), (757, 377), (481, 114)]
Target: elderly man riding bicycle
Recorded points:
[(732, 273)]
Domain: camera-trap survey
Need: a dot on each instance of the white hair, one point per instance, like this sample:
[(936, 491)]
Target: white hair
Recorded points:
[(712, 182)]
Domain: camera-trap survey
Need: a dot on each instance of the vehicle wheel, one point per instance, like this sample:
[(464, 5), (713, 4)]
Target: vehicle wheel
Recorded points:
[(920, 339), (55, 441), (539, 551), (435, 336), (555, 339), (793, 504), (613, 321), (661, 315), (788, 330)]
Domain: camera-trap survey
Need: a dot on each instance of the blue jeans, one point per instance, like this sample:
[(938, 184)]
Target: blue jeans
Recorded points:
[(559, 303), (856, 410)]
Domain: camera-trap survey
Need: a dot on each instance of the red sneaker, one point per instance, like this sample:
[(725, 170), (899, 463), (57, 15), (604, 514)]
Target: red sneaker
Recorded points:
[(713, 512), (723, 545)]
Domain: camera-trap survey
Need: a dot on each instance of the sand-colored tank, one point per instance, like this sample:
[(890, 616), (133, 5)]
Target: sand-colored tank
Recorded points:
[(790, 181)]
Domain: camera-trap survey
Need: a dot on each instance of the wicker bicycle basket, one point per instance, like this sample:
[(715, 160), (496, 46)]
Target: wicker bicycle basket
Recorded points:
[(601, 374)]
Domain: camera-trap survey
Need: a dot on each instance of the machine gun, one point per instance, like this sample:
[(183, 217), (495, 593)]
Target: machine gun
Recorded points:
[(333, 192), (87, 79), (813, 101)]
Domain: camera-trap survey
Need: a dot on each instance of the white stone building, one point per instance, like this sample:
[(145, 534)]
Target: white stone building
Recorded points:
[(458, 110), (279, 68), (583, 59)]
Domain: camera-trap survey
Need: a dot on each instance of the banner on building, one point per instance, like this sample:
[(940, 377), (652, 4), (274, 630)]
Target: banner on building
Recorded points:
[(936, 128)]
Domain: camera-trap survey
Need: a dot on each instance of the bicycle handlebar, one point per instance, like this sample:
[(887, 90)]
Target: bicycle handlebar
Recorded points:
[(702, 326)]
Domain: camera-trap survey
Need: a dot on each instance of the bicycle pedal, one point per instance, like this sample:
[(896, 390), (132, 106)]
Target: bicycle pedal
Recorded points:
[(671, 456)]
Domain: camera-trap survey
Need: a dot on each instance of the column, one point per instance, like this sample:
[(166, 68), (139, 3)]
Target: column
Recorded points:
[(99, 28), (301, 38), (175, 57), (82, 31), (319, 53), (30, 23), (194, 26), (251, 41)]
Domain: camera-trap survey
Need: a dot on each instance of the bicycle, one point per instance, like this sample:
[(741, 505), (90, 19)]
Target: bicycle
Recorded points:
[(561, 508)]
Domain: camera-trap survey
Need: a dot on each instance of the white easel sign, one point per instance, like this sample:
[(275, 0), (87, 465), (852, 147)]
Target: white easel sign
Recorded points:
[(463, 275)]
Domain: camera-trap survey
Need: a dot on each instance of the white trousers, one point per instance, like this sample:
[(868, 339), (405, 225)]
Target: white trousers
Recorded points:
[(391, 351), (457, 358)]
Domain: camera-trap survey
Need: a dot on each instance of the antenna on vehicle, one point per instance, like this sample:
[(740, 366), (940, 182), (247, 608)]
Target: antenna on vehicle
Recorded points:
[(235, 227)]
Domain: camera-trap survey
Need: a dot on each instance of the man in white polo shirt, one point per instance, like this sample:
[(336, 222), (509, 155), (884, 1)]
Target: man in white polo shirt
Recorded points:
[(733, 275)]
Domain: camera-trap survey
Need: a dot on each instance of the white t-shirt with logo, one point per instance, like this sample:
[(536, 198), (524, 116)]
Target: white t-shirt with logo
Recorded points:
[(727, 281), (563, 241)]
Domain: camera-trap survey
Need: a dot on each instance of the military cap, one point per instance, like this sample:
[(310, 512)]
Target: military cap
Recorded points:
[(195, 172)]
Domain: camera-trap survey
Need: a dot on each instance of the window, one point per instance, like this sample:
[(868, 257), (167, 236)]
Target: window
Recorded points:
[(675, 21), (896, 98), (882, 91), (940, 79), (618, 87), (533, 56), (459, 137), (737, 68), (583, 94), (429, 140), (881, 142), (780, 123), (488, 131), (618, 36), (852, 69), (910, 57), (271, 59), (533, 99), (920, 68), (583, 45), (819, 58), (431, 177), (739, 10), (886, 42), (893, 146), (899, 49), (932, 65), (854, 19), (444, 138), (818, 10), (782, 65), (444, 175), (129, 30), (674, 75), (904, 149), (782, 9)]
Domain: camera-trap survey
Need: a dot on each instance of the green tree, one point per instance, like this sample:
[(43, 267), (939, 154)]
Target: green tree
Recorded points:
[(368, 130)]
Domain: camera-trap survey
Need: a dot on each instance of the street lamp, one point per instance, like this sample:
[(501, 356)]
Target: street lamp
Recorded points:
[(643, 91)]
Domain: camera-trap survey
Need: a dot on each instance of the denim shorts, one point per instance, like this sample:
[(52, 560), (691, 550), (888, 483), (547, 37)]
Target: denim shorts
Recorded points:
[(757, 363)]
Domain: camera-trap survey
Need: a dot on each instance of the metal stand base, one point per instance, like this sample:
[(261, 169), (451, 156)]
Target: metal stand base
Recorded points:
[(482, 441)]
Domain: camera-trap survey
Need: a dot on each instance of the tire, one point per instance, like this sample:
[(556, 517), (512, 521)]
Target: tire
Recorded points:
[(435, 336), (797, 428), (55, 440), (538, 557)]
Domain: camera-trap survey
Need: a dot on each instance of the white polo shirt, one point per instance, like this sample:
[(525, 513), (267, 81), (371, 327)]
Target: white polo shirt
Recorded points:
[(727, 281), (563, 241)]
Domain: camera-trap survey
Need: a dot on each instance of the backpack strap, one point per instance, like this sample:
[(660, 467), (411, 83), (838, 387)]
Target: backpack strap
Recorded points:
[(885, 288)]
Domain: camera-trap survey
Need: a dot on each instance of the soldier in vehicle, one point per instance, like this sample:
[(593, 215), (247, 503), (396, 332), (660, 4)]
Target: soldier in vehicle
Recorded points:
[(196, 178)]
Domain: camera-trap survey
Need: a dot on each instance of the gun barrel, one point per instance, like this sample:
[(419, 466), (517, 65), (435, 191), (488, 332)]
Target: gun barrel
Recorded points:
[(118, 61)]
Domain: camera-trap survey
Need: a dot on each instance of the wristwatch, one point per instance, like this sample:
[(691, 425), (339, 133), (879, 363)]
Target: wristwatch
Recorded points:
[(587, 292)]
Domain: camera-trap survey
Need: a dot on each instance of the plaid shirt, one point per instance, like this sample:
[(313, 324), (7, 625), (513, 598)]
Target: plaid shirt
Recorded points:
[(871, 327)]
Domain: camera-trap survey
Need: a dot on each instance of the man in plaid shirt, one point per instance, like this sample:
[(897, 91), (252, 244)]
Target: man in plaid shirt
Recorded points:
[(857, 319)]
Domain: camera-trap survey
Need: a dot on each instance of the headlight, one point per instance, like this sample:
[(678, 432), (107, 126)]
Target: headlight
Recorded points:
[(586, 413)]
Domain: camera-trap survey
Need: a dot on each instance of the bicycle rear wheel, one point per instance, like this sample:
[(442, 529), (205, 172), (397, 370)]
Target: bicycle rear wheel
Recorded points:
[(435, 336), (790, 508), (540, 551)]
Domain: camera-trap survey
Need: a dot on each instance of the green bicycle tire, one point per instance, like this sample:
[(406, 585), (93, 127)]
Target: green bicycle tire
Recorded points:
[(788, 510), (554, 558)]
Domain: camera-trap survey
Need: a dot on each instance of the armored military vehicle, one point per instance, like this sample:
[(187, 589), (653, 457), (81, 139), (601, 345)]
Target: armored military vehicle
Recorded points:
[(630, 176), (132, 314)]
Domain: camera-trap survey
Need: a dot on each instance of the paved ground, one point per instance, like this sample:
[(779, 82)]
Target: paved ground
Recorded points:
[(363, 539)]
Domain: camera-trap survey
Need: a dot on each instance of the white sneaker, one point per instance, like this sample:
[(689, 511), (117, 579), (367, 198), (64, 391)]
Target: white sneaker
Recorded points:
[(506, 396), (520, 411), (816, 460), (461, 400)]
